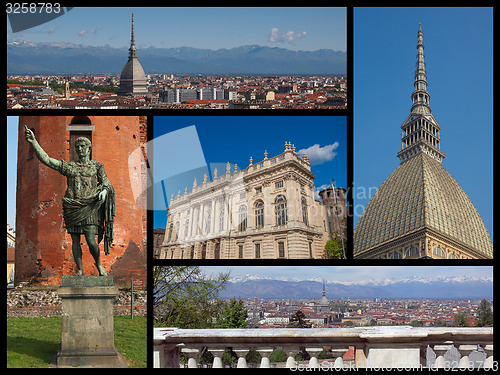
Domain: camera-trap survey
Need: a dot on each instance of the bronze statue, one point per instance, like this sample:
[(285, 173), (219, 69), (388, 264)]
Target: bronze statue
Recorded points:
[(89, 201)]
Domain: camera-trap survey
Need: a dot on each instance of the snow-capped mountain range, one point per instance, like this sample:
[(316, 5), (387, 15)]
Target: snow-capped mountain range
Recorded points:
[(415, 286)]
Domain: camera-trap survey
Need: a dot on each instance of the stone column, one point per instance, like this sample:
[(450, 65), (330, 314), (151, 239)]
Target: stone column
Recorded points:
[(314, 352), (465, 350), (290, 362), (489, 352), (265, 353), (87, 334), (192, 354), (217, 353), (440, 350), (241, 353)]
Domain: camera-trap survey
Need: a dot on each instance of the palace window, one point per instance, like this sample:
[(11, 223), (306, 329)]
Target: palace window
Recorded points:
[(280, 210), (258, 190), (217, 251), (186, 229), (412, 251), (278, 185), (259, 214), (257, 250), (208, 219), (221, 216), (242, 218), (304, 211), (170, 229), (204, 252), (438, 252), (396, 256), (240, 251), (281, 249)]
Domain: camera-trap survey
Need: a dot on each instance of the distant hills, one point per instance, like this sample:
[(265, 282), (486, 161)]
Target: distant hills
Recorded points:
[(412, 287), (67, 58)]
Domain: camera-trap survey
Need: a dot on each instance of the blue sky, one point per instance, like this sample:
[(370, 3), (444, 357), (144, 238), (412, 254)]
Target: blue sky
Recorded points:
[(459, 65), (352, 273), (217, 140), (305, 28)]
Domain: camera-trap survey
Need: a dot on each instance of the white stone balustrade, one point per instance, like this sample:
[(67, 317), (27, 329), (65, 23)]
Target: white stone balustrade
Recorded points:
[(374, 347)]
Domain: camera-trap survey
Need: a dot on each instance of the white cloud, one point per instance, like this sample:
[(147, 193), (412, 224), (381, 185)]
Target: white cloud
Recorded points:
[(289, 37), (82, 33), (319, 155)]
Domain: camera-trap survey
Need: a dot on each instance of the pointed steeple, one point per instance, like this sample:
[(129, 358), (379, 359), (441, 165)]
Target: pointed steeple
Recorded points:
[(420, 131), (420, 96), (133, 81), (132, 49)]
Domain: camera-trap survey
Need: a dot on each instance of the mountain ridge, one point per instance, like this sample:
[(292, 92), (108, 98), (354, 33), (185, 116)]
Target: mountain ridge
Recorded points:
[(412, 287), (63, 58)]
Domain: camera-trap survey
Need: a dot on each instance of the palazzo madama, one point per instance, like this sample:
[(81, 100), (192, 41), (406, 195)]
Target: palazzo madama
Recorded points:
[(267, 210)]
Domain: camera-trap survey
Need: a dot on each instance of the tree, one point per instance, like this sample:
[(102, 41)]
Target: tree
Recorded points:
[(484, 314), (333, 247), (460, 320), (184, 297), (233, 315), (298, 320)]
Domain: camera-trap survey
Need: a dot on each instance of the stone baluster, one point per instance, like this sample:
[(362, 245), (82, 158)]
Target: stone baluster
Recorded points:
[(440, 350), (241, 353), (192, 354), (290, 352), (339, 361), (465, 350), (217, 353), (265, 353), (488, 363), (314, 352)]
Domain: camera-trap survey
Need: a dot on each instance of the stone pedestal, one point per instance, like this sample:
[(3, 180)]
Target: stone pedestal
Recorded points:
[(87, 338)]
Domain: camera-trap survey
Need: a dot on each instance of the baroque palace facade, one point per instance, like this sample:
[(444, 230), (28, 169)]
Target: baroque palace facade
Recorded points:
[(420, 211), (266, 211)]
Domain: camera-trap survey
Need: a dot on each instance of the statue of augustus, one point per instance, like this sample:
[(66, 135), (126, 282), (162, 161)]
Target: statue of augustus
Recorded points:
[(89, 201)]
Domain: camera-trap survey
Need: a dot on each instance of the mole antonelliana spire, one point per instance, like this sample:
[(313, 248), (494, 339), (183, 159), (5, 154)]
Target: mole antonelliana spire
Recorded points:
[(420, 211), (133, 80)]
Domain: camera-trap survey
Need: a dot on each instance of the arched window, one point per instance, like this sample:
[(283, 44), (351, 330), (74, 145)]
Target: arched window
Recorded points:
[(396, 256), (438, 252), (304, 211), (412, 251), (452, 256), (242, 218), (280, 210), (259, 214)]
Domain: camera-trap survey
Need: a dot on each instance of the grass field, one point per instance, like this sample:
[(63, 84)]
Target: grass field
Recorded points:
[(32, 342)]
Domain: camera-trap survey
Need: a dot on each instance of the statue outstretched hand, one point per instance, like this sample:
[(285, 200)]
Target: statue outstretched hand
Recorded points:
[(28, 134)]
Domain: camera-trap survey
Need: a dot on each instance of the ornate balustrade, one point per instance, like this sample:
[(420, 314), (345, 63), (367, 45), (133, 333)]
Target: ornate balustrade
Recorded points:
[(374, 347)]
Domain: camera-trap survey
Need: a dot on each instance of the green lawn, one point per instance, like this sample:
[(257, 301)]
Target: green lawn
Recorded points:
[(32, 342)]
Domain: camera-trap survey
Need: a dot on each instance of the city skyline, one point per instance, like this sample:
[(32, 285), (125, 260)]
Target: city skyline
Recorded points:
[(460, 87), (293, 28)]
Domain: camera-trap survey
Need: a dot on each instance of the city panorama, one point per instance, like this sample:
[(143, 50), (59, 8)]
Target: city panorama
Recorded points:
[(66, 63)]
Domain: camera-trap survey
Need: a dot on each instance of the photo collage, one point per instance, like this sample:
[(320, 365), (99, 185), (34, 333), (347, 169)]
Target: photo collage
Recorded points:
[(249, 187)]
